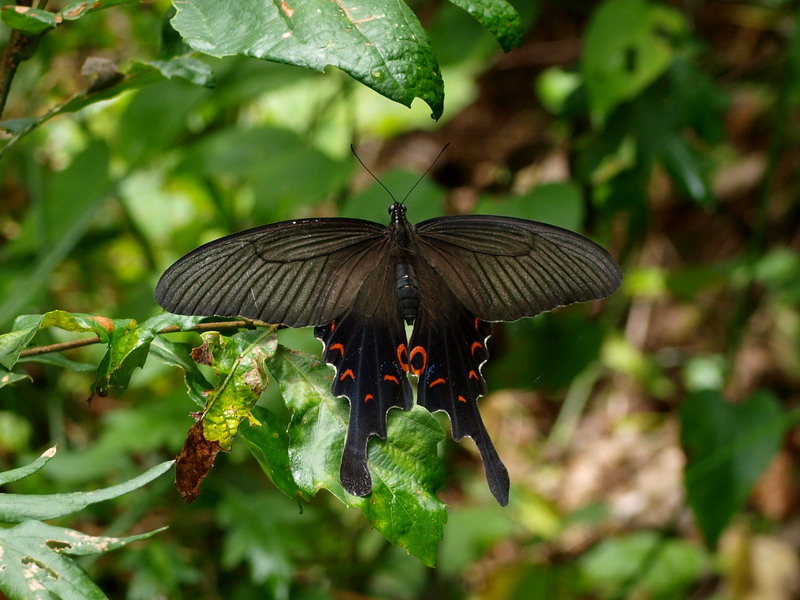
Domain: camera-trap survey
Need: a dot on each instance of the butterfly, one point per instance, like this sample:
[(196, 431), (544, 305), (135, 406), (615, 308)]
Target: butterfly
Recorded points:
[(357, 282)]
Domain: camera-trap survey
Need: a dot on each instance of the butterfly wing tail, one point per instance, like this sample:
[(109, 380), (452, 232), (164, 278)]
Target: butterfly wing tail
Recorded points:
[(454, 348), (369, 374)]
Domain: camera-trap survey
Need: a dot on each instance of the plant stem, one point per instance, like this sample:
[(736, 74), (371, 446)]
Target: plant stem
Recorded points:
[(244, 323)]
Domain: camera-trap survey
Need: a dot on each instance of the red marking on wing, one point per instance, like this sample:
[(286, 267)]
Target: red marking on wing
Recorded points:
[(338, 347), (474, 375), (333, 326), (477, 323), (349, 373), (368, 397), (402, 357), (475, 346), (421, 351), (462, 399), (437, 382), (391, 378)]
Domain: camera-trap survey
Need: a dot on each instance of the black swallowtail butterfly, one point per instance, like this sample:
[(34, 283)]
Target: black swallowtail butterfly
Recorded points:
[(357, 281)]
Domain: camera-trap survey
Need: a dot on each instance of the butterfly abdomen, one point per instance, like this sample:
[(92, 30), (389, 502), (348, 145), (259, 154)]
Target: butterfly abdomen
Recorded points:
[(407, 290)]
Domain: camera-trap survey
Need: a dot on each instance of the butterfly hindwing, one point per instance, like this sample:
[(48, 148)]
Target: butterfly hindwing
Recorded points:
[(368, 373), (446, 352)]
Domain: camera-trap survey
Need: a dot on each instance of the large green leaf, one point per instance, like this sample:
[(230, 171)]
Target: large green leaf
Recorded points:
[(728, 446), (378, 42), (406, 470)]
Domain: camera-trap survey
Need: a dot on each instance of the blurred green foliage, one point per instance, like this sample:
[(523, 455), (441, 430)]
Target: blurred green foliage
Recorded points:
[(667, 133)]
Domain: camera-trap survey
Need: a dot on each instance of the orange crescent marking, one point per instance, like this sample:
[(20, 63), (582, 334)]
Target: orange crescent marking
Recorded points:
[(391, 378), (349, 373), (477, 323), (475, 345), (414, 352), (473, 375), (338, 347), (333, 326), (368, 397), (402, 352), (462, 399), (437, 382)]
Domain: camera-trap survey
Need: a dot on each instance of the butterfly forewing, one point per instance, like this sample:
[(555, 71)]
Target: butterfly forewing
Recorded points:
[(502, 268), (299, 273)]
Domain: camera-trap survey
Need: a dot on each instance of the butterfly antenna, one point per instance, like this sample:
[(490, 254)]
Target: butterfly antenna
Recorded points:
[(435, 160), (413, 187), (366, 168)]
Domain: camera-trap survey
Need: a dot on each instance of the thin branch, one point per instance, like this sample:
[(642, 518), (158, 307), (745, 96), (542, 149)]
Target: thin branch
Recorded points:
[(241, 324)]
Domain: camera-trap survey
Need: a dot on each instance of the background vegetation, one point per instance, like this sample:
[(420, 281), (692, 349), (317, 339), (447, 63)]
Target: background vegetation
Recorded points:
[(649, 439)]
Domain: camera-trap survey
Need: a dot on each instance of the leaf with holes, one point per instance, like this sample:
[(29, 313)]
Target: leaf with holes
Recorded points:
[(33, 561)]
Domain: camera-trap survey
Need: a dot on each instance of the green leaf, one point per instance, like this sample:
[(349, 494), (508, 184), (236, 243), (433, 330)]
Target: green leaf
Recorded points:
[(26, 326), (406, 470), (7, 378), (179, 355), (22, 472), (128, 348), (644, 564), (628, 44), (499, 17), (558, 204), (379, 43), (728, 446), (141, 74), (15, 508), (75, 10), (31, 21), (33, 565), (269, 443), (239, 362)]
